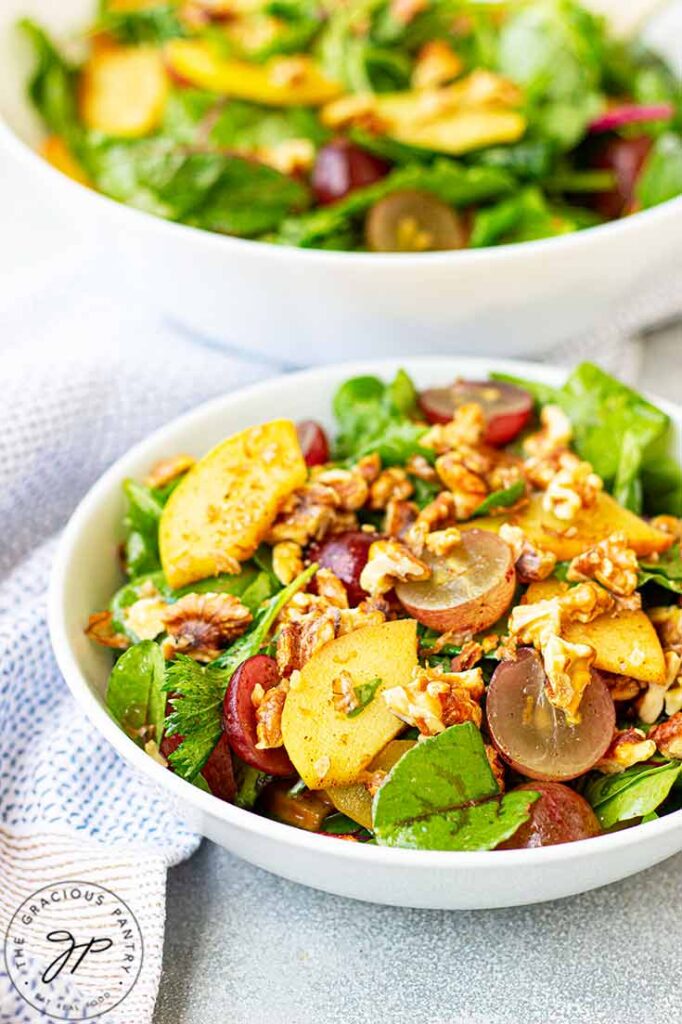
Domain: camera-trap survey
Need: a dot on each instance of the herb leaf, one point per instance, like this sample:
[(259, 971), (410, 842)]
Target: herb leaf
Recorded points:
[(135, 696), (374, 416), (442, 795), (365, 694), (633, 793), (501, 499), (200, 691)]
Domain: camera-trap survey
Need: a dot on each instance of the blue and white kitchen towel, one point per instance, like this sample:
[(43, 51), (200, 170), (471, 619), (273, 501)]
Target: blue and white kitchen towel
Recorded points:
[(84, 374)]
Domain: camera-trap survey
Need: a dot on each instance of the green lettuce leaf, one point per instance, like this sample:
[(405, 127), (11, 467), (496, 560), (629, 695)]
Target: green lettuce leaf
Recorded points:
[(666, 572), (200, 691), (135, 696), (501, 499), (152, 24), (633, 793), (442, 795), (374, 416)]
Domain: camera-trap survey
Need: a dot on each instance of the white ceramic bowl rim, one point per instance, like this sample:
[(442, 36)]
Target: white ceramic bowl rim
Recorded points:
[(248, 820), (567, 244)]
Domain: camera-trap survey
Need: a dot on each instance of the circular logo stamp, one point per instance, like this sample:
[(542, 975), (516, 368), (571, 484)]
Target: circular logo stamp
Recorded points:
[(73, 950)]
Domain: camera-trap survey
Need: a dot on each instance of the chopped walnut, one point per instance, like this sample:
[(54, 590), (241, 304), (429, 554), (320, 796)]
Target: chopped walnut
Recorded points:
[(369, 467), (466, 427), (290, 156), (144, 617), (440, 512), (298, 640), (535, 623), (287, 561), (668, 624), (390, 562), (202, 625), (350, 486), (100, 629), (434, 700), (400, 516), (531, 563), (468, 488), (568, 670), (497, 765), (668, 737), (367, 613), (585, 603), (436, 64), (331, 589), (653, 700), (344, 695), (573, 487), (443, 542), (420, 467), (392, 485), (307, 514), (167, 470), (628, 747), (269, 705), (468, 657), (611, 562), (554, 436)]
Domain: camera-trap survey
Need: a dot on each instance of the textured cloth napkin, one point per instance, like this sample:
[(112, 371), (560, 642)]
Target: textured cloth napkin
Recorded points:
[(86, 370)]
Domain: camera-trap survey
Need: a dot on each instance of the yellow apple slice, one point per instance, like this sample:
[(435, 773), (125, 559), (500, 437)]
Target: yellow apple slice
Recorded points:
[(222, 509), (327, 746), (123, 91), (355, 800)]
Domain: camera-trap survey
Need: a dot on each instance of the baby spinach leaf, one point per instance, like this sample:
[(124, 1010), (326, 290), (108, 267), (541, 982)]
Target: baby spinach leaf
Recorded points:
[(666, 572), (52, 87), (135, 696), (151, 24), (196, 713), (142, 518), (633, 793), (374, 416), (525, 216), (501, 499), (661, 178), (365, 695), (442, 795)]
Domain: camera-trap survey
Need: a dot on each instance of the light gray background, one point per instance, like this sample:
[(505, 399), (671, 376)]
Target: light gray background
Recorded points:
[(244, 947)]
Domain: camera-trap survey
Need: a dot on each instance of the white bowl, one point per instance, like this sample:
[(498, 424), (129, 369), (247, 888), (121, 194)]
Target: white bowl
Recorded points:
[(307, 306), (84, 576)]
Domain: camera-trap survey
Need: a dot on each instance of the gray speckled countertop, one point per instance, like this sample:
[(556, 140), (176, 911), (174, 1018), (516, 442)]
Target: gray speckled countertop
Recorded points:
[(244, 947)]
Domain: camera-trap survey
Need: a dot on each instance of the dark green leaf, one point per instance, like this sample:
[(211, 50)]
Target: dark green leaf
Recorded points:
[(365, 694), (442, 795), (661, 178), (501, 499), (153, 24), (666, 572), (143, 514), (52, 87), (135, 696), (250, 782), (374, 416), (633, 793)]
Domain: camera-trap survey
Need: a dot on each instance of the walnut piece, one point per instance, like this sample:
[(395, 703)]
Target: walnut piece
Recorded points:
[(307, 514), (287, 561), (202, 625), (390, 562), (400, 516), (668, 737), (554, 436), (568, 669), (531, 563), (144, 617), (392, 485), (443, 542), (331, 589), (611, 562), (350, 486), (438, 513), (434, 700), (628, 747), (466, 428), (100, 629), (436, 64), (269, 705), (654, 699), (344, 695), (467, 487), (167, 470), (573, 487)]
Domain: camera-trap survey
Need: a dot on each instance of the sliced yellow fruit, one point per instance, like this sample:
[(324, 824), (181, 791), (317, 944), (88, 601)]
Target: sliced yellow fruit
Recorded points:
[(464, 131), (222, 509), (590, 525), (123, 91), (279, 82), (625, 641), (355, 800), (327, 746), (55, 150)]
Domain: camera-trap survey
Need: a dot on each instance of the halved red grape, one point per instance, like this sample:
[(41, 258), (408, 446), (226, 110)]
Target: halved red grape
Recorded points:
[(626, 158), (560, 815), (239, 716), (532, 735), (346, 555), (468, 590), (341, 167), (412, 221), (313, 442), (507, 408)]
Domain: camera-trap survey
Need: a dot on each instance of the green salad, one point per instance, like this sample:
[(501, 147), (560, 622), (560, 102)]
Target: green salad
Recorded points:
[(456, 626), (381, 125)]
